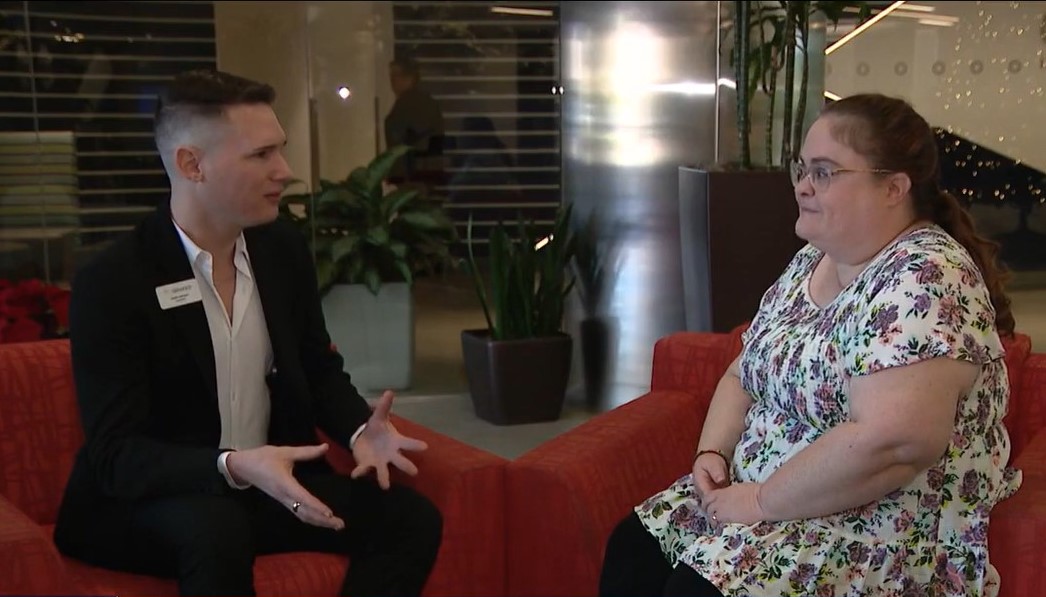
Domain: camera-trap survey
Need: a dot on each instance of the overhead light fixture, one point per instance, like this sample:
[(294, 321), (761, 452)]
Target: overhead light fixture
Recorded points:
[(864, 26), (832, 96), (919, 8), (526, 12), (937, 22)]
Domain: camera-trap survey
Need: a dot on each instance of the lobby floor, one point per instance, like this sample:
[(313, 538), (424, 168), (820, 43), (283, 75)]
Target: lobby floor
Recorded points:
[(439, 396)]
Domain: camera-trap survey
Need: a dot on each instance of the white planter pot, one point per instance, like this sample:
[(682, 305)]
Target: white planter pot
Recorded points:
[(374, 334)]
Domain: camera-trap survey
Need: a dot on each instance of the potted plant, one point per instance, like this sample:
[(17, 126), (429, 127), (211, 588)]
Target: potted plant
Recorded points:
[(737, 217), (518, 367), (370, 241)]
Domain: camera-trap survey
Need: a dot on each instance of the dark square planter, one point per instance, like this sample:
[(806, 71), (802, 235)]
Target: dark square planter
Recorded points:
[(517, 381)]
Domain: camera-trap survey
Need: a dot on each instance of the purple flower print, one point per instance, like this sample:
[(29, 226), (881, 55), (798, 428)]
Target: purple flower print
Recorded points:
[(970, 485), (903, 521), (879, 557), (859, 553), (922, 304), (929, 273), (735, 541), (747, 560), (930, 501), (884, 318), (949, 311), (975, 533), (802, 575), (935, 478)]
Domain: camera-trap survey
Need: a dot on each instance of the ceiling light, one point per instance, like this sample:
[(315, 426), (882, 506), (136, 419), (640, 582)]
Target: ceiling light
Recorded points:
[(846, 38), (527, 12)]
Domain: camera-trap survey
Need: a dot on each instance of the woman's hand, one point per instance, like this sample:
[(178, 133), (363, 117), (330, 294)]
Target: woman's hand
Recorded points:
[(736, 503), (710, 472)]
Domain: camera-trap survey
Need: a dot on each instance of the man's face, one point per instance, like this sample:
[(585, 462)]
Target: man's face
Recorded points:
[(399, 80), (244, 167)]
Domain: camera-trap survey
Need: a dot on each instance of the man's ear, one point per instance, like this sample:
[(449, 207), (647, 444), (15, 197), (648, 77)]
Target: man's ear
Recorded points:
[(898, 187), (187, 162)]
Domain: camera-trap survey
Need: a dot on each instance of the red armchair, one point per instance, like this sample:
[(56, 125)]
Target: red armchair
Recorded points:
[(565, 496), (40, 433)]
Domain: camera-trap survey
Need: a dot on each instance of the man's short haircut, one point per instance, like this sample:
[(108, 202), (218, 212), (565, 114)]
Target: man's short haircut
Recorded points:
[(202, 95), (407, 65)]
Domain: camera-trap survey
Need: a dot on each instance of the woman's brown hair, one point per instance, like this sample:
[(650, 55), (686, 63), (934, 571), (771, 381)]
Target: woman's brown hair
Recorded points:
[(893, 136)]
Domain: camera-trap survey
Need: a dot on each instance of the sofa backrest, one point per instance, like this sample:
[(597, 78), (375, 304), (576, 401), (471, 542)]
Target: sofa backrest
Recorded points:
[(40, 428)]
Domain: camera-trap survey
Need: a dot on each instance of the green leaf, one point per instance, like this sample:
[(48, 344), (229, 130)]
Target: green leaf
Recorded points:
[(426, 220), (396, 201), (343, 247), (378, 236), (325, 272), (373, 280), (404, 270), (378, 170), (400, 249)]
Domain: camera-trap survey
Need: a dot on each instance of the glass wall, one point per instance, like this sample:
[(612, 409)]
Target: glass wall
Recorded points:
[(77, 89), (975, 71)]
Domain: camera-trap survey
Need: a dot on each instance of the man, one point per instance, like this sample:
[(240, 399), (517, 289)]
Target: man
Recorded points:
[(415, 120), (203, 367)]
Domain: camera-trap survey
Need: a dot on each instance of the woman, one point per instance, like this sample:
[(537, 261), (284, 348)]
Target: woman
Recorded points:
[(856, 445)]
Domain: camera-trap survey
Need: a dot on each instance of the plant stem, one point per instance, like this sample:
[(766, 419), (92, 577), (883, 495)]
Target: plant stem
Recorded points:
[(741, 21), (789, 92), (803, 16)]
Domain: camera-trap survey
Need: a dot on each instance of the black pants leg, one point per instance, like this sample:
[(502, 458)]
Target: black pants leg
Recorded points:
[(635, 566), (209, 542), (392, 537)]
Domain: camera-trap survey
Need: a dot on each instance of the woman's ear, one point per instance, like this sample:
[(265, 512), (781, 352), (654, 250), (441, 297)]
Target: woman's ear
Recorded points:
[(898, 186), (187, 162)]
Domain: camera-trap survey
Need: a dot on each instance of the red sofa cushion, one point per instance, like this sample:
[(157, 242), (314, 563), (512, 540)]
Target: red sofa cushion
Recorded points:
[(39, 427)]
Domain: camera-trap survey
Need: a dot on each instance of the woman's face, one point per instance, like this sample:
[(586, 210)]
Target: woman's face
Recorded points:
[(842, 201)]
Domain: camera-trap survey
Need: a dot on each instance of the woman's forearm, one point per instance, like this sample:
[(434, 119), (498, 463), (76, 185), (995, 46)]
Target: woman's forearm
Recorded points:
[(726, 416), (847, 467)]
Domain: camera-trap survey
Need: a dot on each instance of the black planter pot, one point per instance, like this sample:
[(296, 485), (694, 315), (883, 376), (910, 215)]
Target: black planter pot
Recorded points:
[(516, 381)]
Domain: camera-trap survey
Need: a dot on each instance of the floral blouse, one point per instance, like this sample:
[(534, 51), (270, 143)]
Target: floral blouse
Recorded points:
[(922, 297)]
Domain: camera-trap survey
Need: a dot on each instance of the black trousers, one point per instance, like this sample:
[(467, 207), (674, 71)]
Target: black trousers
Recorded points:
[(635, 566), (209, 542)]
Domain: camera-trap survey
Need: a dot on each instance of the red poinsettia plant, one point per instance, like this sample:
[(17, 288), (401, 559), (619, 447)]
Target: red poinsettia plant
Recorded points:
[(31, 310)]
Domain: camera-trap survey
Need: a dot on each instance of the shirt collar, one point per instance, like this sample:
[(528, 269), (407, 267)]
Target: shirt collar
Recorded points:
[(193, 251)]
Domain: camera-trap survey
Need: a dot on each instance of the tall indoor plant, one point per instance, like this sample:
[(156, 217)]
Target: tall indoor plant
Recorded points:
[(518, 367), (370, 241), (737, 216)]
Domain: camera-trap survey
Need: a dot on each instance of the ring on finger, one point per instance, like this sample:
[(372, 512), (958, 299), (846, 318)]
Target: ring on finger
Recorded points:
[(295, 506)]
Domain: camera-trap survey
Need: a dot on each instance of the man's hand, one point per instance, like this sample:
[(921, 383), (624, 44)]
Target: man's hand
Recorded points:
[(735, 503), (269, 469), (380, 444)]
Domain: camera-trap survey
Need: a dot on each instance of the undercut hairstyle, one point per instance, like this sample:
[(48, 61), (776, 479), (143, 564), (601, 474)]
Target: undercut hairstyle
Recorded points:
[(201, 97)]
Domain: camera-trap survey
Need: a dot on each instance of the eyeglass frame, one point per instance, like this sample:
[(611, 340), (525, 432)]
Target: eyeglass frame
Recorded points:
[(795, 166)]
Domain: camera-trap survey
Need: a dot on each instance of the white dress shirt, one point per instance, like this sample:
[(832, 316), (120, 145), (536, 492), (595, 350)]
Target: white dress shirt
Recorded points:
[(242, 351)]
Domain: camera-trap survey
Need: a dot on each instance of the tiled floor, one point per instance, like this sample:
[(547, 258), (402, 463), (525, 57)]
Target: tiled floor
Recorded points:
[(439, 397)]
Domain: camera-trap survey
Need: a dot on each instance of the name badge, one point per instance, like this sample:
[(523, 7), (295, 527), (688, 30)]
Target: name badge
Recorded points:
[(177, 294)]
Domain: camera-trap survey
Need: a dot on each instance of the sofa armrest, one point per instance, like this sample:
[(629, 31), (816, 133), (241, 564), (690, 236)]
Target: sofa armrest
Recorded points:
[(1026, 418), (468, 486), (29, 562), (565, 496), (1018, 525), (692, 362)]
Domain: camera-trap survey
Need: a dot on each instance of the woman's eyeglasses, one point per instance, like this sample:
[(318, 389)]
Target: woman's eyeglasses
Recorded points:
[(821, 176)]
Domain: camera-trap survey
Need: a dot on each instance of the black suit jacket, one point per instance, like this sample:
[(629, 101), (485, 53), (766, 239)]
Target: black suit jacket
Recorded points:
[(145, 377)]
